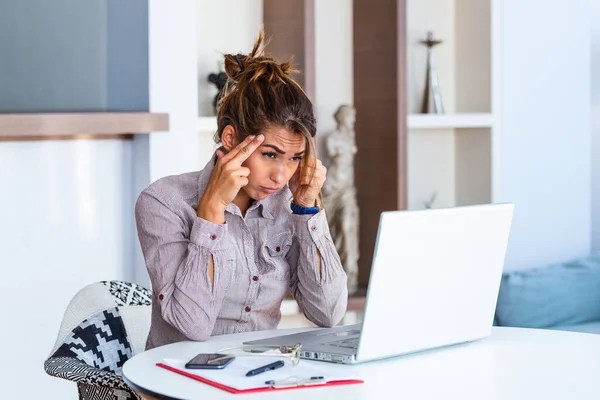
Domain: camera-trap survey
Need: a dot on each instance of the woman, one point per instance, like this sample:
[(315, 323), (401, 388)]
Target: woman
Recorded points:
[(224, 245)]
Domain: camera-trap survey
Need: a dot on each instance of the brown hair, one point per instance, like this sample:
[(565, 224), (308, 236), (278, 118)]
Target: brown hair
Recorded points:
[(260, 93)]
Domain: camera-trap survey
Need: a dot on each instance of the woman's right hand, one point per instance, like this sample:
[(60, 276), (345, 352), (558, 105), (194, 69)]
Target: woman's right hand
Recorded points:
[(226, 180)]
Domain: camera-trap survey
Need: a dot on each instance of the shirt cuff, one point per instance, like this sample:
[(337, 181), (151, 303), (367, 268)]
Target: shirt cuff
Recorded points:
[(209, 235), (314, 226)]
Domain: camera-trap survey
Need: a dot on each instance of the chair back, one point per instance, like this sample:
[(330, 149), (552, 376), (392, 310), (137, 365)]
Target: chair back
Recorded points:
[(104, 325)]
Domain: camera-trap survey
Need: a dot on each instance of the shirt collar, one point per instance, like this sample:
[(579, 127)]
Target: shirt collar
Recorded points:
[(267, 206)]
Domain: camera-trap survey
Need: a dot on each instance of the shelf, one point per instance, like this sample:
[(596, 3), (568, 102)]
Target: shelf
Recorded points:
[(68, 126), (449, 121)]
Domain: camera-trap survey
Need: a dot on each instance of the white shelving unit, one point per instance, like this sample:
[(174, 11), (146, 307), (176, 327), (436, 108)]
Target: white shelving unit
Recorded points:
[(449, 121), (451, 156)]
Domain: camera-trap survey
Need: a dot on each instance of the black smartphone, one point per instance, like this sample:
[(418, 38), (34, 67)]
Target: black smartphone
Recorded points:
[(204, 361)]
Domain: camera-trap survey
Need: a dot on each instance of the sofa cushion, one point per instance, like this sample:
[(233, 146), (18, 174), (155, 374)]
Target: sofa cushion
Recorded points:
[(586, 327), (560, 294)]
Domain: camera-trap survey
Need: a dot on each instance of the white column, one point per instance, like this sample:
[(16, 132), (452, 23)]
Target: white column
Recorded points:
[(545, 119), (173, 85), (334, 67), (595, 101)]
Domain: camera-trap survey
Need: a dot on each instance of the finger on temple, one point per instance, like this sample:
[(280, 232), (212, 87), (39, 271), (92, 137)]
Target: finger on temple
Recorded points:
[(237, 148), (247, 149)]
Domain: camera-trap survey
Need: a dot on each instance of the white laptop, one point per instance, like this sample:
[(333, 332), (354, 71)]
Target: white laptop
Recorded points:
[(434, 282)]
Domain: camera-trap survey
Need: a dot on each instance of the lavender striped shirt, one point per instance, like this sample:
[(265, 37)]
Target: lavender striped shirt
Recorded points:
[(257, 259)]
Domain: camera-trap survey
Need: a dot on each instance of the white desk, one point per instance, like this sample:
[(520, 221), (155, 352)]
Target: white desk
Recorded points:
[(513, 363)]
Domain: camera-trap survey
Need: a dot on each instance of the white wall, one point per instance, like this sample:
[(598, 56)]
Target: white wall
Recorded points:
[(172, 44), (227, 26), (595, 120), (224, 26), (334, 73), (545, 142), (63, 225), (172, 89)]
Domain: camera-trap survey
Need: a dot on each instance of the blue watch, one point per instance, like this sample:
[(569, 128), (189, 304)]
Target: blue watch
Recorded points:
[(296, 209)]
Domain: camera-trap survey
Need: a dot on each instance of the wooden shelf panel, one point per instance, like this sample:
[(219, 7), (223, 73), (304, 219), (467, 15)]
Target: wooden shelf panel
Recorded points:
[(65, 126), (449, 121)]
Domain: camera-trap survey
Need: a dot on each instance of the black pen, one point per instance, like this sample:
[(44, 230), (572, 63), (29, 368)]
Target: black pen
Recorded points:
[(265, 368)]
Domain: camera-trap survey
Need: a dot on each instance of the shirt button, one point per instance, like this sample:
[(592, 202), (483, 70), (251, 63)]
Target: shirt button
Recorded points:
[(313, 228), (247, 309), (213, 236), (278, 249), (255, 278), (160, 296)]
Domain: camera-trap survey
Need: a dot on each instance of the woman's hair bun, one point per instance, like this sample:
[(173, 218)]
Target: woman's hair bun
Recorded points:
[(256, 64)]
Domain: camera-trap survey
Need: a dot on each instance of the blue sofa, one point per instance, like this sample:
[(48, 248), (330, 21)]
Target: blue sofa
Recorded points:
[(563, 296)]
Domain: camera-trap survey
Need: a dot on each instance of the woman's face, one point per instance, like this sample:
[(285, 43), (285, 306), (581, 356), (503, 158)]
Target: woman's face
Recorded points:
[(274, 163)]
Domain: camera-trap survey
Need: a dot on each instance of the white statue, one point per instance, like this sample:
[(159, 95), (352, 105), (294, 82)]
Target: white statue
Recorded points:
[(340, 194)]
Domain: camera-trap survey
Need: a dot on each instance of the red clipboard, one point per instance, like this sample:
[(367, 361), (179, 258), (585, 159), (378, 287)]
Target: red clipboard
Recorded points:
[(256, 390)]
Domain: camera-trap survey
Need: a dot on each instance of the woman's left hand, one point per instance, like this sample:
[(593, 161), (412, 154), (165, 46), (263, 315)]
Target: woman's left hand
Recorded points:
[(306, 191)]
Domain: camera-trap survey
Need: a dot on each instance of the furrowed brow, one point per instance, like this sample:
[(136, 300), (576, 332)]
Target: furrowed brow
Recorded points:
[(277, 149)]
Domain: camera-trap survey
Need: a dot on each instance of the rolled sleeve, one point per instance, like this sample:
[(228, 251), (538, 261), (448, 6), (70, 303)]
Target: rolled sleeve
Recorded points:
[(178, 265), (209, 235), (311, 226), (323, 297)]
